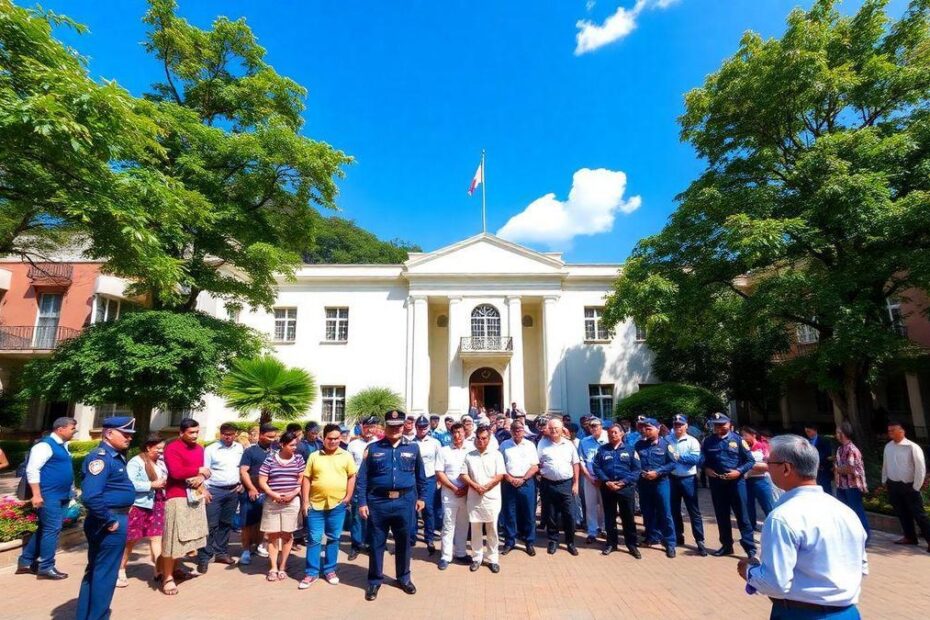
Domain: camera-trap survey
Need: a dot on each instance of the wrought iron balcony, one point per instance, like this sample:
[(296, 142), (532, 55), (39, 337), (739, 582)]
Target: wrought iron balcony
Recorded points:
[(487, 344), (51, 273), (33, 338)]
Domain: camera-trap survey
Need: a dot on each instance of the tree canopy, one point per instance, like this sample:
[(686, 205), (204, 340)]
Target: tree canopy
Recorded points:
[(668, 399), (813, 208), (338, 240), (264, 384), (373, 401)]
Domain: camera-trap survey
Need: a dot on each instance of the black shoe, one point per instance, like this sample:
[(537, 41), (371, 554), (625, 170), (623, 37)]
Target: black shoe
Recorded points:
[(430, 548), (23, 570), (608, 550), (722, 551), (590, 539), (506, 549), (634, 551), (530, 550), (751, 554), (224, 559), (701, 550), (353, 553), (670, 552), (551, 549), (680, 541), (474, 566), (495, 568), (408, 587), (462, 560), (573, 549), (443, 565), (52, 573), (906, 541), (371, 592), (202, 567)]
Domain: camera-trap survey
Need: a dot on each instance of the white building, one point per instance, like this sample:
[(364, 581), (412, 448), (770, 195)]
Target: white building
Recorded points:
[(482, 319)]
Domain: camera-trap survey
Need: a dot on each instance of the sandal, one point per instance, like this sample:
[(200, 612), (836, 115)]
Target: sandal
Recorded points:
[(121, 582), (168, 587), (272, 575), (282, 576)]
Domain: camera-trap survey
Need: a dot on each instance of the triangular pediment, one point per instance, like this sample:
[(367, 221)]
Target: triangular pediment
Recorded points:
[(484, 254)]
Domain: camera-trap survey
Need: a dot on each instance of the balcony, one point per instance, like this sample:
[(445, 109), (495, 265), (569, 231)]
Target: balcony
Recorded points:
[(51, 274), (486, 347), (32, 339)]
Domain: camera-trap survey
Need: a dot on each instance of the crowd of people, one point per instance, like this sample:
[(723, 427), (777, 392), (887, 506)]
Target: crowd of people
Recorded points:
[(482, 478)]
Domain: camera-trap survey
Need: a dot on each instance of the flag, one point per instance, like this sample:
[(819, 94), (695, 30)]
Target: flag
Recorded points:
[(478, 180)]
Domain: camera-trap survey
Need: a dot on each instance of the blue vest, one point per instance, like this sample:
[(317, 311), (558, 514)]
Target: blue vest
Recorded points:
[(57, 476)]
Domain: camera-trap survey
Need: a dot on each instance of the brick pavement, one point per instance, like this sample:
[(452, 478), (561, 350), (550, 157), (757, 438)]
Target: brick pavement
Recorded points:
[(558, 587)]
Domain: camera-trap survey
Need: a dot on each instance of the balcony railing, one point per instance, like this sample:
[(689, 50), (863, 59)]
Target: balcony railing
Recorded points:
[(487, 344), (52, 273), (33, 338)]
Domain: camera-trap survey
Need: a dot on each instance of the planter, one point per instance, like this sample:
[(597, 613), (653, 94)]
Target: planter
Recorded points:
[(883, 522), (10, 551)]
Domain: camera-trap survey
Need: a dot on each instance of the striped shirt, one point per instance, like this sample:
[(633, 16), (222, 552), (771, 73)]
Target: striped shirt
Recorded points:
[(283, 477)]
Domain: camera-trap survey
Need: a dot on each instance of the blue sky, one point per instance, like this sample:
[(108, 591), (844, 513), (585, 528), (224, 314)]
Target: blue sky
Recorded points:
[(415, 90)]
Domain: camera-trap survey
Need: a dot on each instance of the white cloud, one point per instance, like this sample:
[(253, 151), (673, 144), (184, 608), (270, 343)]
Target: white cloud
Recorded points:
[(592, 36), (593, 203)]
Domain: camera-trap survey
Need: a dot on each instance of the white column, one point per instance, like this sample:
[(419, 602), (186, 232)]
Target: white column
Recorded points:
[(785, 411), (515, 325), (408, 367), (84, 416), (458, 396), (552, 347), (421, 369), (918, 416)]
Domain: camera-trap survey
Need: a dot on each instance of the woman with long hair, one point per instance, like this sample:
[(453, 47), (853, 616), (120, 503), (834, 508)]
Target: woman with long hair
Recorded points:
[(147, 515)]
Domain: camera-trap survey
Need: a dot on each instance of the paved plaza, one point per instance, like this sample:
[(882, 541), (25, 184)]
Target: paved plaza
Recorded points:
[(558, 587)]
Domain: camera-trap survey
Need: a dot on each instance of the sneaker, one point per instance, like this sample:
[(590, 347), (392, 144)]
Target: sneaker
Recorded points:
[(331, 579), (122, 581), (246, 558), (306, 582), (262, 550)]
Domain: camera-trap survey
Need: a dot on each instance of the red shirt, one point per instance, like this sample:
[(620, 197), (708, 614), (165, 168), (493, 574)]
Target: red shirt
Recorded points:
[(183, 461)]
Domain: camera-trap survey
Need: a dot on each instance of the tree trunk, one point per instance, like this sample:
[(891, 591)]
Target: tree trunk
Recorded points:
[(142, 412), (848, 403)]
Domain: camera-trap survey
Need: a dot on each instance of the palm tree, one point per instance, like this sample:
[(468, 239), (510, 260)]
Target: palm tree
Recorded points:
[(372, 401), (267, 385)]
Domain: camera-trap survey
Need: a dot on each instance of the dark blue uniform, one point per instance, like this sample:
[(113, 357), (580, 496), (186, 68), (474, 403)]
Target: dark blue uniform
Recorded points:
[(655, 495), (390, 481), (723, 454), (107, 493), (825, 468), (620, 464)]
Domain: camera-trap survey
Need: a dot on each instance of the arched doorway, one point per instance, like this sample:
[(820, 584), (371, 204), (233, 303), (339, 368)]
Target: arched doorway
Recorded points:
[(487, 387)]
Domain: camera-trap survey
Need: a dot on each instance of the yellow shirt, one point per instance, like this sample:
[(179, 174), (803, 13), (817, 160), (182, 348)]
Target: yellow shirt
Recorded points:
[(329, 476)]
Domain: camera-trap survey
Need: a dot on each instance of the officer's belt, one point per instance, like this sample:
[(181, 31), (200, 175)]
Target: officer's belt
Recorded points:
[(390, 493), (789, 604)]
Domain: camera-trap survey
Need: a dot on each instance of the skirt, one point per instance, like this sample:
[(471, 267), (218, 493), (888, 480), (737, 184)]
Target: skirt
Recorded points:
[(185, 527), (280, 517), (146, 522)]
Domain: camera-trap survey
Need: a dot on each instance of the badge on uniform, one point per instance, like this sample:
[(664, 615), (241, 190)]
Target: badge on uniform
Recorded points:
[(95, 467), (732, 444)]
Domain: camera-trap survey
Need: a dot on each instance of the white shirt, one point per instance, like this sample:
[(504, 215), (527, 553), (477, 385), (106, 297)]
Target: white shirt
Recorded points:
[(429, 451), (482, 467), (519, 457), (39, 455), (493, 444), (450, 463), (902, 462), (556, 460), (223, 463), (587, 450), (356, 448), (687, 448), (813, 550)]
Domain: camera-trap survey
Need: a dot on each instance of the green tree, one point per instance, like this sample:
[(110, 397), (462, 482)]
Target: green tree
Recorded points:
[(266, 385), (813, 207), (372, 401), (338, 240), (667, 399), (144, 360)]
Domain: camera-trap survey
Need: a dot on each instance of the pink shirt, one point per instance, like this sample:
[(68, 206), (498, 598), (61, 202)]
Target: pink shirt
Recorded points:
[(182, 461), (848, 454)]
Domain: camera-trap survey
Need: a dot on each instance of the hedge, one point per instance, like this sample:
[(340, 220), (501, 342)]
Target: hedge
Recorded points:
[(666, 399)]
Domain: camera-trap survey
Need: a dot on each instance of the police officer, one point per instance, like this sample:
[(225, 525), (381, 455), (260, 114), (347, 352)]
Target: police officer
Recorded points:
[(108, 494), (726, 460), (391, 485), (617, 469), (657, 458), (429, 452)]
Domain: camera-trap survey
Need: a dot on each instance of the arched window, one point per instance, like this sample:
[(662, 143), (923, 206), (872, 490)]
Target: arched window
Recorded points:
[(485, 322)]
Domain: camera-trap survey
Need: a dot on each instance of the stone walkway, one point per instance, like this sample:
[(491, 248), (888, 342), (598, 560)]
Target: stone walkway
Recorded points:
[(558, 587)]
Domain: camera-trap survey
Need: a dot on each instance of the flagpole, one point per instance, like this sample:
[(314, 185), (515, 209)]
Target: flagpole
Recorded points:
[(484, 183)]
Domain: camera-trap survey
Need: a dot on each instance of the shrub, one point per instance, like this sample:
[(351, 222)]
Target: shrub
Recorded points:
[(16, 519), (665, 400), (372, 401)]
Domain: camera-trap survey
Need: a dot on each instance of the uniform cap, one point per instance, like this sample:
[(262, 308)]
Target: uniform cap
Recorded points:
[(649, 422), (435, 416), (372, 419), (679, 419), (640, 419), (719, 418), (422, 422), (395, 417), (124, 424)]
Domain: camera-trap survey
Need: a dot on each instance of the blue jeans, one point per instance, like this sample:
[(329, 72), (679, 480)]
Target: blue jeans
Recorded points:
[(44, 541), (786, 613), (358, 530), (759, 489), (221, 512), (519, 512), (319, 522), (853, 499), (685, 489)]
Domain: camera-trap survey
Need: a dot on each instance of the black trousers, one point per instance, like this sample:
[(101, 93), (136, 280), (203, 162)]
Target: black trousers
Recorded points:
[(559, 503), (909, 507), (619, 502)]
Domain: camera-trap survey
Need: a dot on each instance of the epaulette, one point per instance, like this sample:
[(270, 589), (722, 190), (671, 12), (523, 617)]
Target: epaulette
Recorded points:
[(101, 452)]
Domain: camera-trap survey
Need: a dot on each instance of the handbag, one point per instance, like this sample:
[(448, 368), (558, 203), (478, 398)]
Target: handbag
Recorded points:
[(23, 490)]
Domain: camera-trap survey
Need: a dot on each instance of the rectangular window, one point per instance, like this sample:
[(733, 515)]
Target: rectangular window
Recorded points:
[(47, 323), (807, 334), (594, 327), (232, 313), (640, 333), (176, 415), (337, 324), (334, 403), (106, 309), (285, 324), (601, 398), (108, 410), (895, 316)]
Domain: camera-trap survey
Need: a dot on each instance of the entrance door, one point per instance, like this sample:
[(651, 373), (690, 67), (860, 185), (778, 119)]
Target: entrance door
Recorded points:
[(487, 387)]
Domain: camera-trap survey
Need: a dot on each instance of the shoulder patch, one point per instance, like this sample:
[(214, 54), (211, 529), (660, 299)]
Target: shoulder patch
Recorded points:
[(745, 445), (101, 452), (95, 467)]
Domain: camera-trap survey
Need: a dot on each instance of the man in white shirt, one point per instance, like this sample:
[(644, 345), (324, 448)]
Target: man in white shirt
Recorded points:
[(453, 490), (587, 450), (358, 528), (558, 465), (813, 546), (521, 462), (468, 425), (483, 471), (684, 485), (222, 458), (903, 471), (429, 450)]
